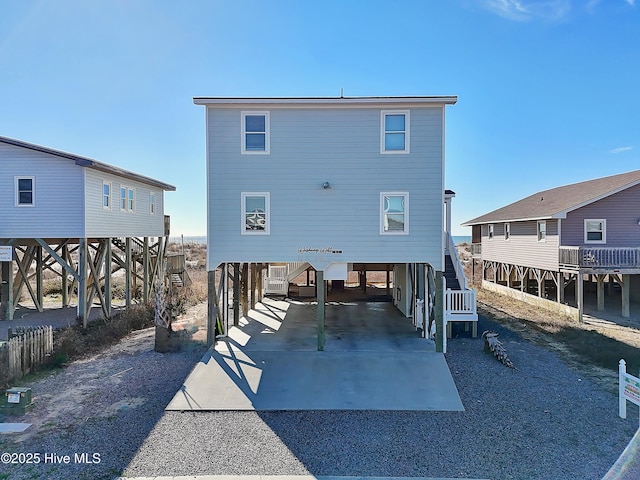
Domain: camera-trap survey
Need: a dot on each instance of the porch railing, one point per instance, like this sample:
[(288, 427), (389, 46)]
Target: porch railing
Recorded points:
[(460, 305), (599, 257)]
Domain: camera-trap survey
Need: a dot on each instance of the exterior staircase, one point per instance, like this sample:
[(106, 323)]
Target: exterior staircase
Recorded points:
[(450, 274), (280, 274)]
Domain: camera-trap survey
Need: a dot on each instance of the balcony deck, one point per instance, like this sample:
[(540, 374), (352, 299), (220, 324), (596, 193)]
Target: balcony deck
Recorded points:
[(600, 259)]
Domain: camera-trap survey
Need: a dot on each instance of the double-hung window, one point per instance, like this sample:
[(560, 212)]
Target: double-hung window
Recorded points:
[(595, 231), (542, 231), (255, 213), (25, 188), (490, 231), (152, 203), (507, 231), (394, 131), (255, 133), (131, 198), (123, 198), (106, 195), (394, 213)]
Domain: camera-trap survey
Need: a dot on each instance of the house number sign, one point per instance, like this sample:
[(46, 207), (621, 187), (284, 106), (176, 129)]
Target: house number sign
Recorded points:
[(6, 253)]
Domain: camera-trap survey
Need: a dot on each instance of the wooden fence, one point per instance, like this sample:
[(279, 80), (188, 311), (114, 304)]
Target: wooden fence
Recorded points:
[(25, 351)]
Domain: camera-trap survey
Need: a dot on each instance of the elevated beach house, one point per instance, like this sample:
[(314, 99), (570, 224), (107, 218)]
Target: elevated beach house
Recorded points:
[(563, 243), (79, 218), (331, 185)]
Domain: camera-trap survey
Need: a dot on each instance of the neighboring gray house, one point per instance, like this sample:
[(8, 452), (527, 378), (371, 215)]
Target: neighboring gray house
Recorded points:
[(584, 231), (56, 204), (334, 184)]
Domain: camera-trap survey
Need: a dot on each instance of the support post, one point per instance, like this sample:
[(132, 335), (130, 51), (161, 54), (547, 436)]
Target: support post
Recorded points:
[(236, 294), (146, 260), (580, 295), (7, 290), (39, 281), (439, 313), (65, 277), (244, 300), (560, 287), (212, 309), (107, 277), (388, 287), (626, 284), (82, 284), (259, 284), (320, 313), (253, 285), (600, 291), (127, 272)]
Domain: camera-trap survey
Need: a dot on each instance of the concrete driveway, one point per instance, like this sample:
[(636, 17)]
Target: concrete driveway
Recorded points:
[(374, 359)]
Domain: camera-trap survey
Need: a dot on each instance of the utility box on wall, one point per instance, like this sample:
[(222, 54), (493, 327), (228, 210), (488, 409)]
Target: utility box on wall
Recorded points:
[(18, 401)]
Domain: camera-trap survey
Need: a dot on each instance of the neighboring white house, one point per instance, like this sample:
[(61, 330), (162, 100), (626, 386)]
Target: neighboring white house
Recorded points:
[(55, 201), (329, 182)]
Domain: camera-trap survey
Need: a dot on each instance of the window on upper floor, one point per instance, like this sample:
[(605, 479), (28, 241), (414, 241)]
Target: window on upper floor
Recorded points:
[(490, 231), (595, 231), (394, 213), (123, 198), (394, 131), (131, 199), (507, 231), (255, 133), (255, 213), (542, 231), (25, 188), (152, 203), (106, 195)]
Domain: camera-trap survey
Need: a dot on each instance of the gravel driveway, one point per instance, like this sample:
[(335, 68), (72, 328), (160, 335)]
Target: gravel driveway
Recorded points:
[(544, 420)]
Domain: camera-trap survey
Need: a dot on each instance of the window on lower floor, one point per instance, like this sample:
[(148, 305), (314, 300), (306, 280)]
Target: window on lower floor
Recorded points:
[(595, 231), (106, 195), (507, 231), (255, 213), (25, 191), (394, 209), (131, 196), (542, 231), (152, 203), (490, 231)]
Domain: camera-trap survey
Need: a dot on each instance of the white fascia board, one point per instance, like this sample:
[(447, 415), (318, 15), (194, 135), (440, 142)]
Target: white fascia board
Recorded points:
[(509, 220), (315, 102)]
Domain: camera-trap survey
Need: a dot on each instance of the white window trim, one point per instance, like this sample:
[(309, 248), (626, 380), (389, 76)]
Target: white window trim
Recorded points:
[(406, 213), (604, 230), (507, 231), (109, 197), (267, 128), (126, 198), (490, 231), (17, 193), (152, 203), (130, 207), (407, 129), (540, 222), (267, 203)]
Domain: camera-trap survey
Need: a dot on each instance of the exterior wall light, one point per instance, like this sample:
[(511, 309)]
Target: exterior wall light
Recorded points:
[(326, 185)]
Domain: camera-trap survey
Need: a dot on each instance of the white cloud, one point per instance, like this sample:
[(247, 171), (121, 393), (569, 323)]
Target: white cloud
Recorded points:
[(620, 150), (527, 10), (631, 2)]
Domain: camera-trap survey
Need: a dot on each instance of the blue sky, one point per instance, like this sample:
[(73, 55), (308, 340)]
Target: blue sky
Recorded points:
[(549, 90)]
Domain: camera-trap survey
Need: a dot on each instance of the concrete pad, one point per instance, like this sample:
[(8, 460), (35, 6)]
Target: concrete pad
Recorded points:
[(13, 427), (373, 360), (280, 477)]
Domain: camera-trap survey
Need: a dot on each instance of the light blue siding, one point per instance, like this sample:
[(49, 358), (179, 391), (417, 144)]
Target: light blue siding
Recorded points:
[(58, 210), (114, 222), (312, 146), (68, 200)]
